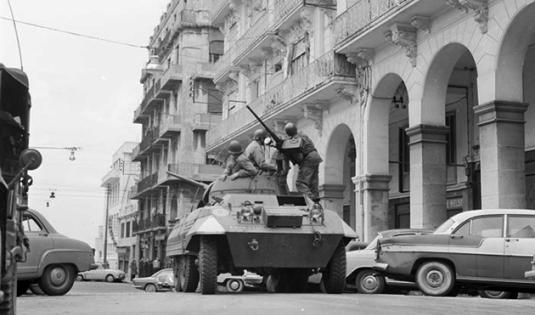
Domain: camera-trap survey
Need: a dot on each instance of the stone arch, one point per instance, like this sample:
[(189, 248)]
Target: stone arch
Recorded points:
[(334, 156), (436, 84), (510, 62)]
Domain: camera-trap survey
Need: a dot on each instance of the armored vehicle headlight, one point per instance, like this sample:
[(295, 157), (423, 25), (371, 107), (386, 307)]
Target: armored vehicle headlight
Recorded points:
[(316, 214)]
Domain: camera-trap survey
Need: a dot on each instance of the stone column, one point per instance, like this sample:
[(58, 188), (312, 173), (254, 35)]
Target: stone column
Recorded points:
[(372, 205), (501, 141), (332, 196), (427, 175)]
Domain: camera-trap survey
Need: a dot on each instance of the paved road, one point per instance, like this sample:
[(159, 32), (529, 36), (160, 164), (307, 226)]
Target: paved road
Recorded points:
[(121, 298)]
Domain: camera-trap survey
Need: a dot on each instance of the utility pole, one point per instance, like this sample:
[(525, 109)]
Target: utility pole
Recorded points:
[(105, 261)]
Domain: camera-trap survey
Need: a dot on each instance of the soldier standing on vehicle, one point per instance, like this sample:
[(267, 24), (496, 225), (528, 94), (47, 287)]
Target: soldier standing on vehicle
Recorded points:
[(238, 165), (308, 160), (256, 152)]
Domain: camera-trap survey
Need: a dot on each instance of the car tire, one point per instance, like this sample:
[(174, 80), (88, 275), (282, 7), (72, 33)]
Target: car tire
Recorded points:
[(368, 281), (36, 289), (234, 285), (208, 265), (150, 288), (435, 278), (188, 274), (80, 278), (490, 294), (110, 278), (272, 283), (22, 287), (57, 279), (334, 277)]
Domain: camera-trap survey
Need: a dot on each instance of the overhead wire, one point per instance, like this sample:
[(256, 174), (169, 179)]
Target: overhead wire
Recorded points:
[(16, 32)]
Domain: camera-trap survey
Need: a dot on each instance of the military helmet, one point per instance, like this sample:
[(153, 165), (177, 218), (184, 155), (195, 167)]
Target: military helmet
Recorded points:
[(290, 129), (259, 134), (235, 147)]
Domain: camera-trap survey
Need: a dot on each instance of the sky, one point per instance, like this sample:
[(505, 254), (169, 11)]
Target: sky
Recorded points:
[(84, 93)]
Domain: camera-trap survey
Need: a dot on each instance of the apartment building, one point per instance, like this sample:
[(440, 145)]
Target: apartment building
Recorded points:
[(118, 241), (180, 105), (418, 107)]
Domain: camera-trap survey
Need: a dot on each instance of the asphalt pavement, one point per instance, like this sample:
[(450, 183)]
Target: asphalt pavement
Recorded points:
[(122, 298)]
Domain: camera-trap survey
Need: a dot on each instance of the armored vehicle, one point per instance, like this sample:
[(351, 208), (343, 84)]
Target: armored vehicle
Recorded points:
[(249, 224)]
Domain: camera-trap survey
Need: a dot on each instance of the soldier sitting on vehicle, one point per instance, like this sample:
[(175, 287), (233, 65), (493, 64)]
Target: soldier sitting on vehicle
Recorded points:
[(256, 152), (238, 165)]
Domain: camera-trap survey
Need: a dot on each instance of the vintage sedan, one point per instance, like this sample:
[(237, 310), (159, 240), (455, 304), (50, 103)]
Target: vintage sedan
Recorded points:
[(483, 249), (359, 265), (101, 273), (53, 260), (159, 281)]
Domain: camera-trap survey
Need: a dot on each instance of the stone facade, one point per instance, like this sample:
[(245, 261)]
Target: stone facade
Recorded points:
[(436, 105)]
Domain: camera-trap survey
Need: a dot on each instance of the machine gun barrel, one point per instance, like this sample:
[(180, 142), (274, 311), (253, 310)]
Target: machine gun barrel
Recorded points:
[(189, 180), (278, 141)]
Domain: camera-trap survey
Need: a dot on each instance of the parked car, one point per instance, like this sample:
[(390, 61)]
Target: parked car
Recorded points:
[(159, 281), (53, 260), (238, 283), (101, 273), (483, 249), (359, 265)]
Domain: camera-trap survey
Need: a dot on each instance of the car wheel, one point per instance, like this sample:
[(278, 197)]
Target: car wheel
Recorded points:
[(435, 278), (188, 274), (35, 289), (369, 282), (334, 277), (150, 288), (208, 265), (80, 278), (109, 278), (272, 283), (490, 294), (57, 279), (22, 287), (234, 285)]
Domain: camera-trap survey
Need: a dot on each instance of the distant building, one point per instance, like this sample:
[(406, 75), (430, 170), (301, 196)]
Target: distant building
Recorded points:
[(122, 211), (180, 105)]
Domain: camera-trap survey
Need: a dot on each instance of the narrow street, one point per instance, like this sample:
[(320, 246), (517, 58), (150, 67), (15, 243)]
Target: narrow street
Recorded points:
[(122, 298)]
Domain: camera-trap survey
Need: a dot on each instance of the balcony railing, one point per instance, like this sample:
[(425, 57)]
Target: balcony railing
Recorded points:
[(147, 182), (171, 77), (312, 77), (362, 14), (284, 7), (171, 125), (253, 35), (195, 171), (224, 64), (204, 121)]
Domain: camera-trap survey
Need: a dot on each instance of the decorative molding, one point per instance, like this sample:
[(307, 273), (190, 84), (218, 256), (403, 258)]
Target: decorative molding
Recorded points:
[(314, 113), (404, 35), (234, 75), (479, 8), (372, 182), (250, 68), (500, 112), (422, 23), (349, 93), (362, 58), (278, 45)]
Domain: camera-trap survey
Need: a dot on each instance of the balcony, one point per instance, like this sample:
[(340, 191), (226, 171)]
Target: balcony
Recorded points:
[(195, 171), (150, 99), (285, 11), (147, 183), (147, 224), (363, 25), (251, 44), (319, 82), (205, 121), (224, 66), (171, 78), (170, 126), (132, 193)]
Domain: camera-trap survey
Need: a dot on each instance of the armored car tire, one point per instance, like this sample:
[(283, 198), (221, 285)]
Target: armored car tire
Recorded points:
[(57, 279), (334, 276), (9, 287), (208, 265), (187, 275), (435, 278)]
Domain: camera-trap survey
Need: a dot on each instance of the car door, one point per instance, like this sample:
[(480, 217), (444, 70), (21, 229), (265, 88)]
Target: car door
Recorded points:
[(478, 247), (519, 245), (40, 242)]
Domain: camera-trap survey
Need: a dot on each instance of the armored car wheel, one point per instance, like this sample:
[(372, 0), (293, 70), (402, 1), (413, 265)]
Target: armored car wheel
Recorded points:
[(435, 278), (334, 276), (188, 275), (208, 265)]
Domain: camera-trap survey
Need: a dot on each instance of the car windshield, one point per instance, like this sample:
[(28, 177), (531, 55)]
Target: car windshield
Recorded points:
[(444, 226)]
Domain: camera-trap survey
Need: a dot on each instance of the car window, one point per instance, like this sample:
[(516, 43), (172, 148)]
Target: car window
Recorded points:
[(487, 226), (31, 225), (521, 226)]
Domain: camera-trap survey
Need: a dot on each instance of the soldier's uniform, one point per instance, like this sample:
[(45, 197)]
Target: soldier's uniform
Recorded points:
[(308, 175), (257, 155), (240, 166)]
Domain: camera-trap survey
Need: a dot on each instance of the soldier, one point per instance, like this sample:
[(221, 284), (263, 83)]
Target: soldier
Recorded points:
[(308, 161), (238, 165), (256, 152)]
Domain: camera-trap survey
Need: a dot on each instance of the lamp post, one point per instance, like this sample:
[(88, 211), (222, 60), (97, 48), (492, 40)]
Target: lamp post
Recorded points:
[(105, 260)]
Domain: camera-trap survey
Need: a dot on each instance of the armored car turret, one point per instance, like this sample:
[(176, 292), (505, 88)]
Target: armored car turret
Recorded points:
[(254, 224)]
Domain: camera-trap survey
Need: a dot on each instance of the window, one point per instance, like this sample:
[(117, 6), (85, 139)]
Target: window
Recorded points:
[(122, 229), (299, 55), (31, 225), (488, 226), (451, 144), (521, 226), (254, 90), (404, 160), (127, 229)]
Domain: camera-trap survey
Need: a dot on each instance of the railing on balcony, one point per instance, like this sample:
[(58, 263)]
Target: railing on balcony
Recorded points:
[(171, 77), (147, 182), (284, 94), (252, 35), (170, 124), (361, 14), (283, 7), (147, 140), (158, 220), (204, 121), (224, 63)]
